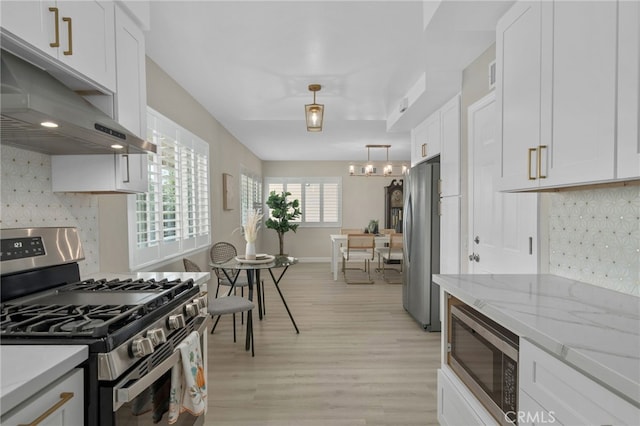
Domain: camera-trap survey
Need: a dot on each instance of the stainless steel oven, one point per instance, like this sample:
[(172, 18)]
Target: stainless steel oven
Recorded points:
[(140, 398), (485, 357), (132, 327)]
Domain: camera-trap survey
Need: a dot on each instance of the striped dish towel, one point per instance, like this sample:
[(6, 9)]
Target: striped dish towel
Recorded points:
[(188, 380)]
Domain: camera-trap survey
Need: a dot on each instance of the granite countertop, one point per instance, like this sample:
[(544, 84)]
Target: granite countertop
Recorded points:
[(26, 369), (593, 329)]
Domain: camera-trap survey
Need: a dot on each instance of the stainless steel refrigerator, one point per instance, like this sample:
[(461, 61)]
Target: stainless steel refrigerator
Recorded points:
[(421, 229)]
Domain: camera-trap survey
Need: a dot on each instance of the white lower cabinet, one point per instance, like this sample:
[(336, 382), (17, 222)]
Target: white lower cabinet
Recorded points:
[(60, 403), (100, 173), (530, 413), (456, 405), (550, 386)]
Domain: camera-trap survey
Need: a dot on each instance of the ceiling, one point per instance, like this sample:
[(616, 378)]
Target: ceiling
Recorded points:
[(250, 63)]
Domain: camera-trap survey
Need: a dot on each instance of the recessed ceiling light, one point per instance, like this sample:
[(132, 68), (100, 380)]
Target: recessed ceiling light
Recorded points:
[(48, 124), (117, 146)]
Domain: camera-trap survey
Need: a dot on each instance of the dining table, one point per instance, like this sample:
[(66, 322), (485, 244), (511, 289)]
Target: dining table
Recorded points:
[(338, 240), (279, 263)]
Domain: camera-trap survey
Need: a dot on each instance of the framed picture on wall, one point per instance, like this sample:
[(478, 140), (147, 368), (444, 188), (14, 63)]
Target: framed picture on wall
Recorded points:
[(228, 192)]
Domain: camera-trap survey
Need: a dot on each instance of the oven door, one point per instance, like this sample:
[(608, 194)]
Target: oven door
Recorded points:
[(139, 401)]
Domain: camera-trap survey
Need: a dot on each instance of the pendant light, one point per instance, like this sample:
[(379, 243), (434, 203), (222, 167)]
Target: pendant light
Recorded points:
[(314, 112), (370, 169)]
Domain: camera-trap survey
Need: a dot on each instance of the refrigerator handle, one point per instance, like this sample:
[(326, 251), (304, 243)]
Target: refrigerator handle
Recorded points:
[(408, 227)]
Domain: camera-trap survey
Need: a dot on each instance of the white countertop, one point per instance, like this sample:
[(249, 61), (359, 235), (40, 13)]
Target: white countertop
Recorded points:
[(594, 329), (27, 369)]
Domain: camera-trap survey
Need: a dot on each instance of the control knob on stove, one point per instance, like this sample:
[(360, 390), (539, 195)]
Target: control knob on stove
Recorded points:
[(176, 321), (156, 336), (192, 309), (141, 346), (201, 302)]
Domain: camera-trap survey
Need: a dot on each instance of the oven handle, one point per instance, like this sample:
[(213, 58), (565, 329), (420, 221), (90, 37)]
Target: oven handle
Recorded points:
[(126, 394), (123, 394)]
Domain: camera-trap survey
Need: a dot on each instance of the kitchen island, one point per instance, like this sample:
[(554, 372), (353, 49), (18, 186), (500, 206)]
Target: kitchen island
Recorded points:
[(593, 330)]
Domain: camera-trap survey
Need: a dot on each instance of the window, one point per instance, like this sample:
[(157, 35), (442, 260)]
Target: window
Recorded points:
[(250, 193), (172, 218), (320, 198)]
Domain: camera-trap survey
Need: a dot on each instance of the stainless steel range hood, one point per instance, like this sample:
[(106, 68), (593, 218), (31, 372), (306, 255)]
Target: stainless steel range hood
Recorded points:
[(31, 96)]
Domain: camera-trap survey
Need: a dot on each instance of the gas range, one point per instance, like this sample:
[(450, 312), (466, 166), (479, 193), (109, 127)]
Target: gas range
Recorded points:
[(130, 326)]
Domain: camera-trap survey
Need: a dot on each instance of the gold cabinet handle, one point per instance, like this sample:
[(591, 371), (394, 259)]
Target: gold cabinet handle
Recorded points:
[(540, 148), (57, 27), (529, 163), (424, 149), (64, 398), (70, 50)]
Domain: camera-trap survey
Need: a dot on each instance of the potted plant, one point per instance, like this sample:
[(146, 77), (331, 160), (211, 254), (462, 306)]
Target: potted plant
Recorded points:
[(282, 213)]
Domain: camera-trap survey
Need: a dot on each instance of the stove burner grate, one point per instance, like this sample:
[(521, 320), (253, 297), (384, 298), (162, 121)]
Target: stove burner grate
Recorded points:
[(81, 324), (41, 319)]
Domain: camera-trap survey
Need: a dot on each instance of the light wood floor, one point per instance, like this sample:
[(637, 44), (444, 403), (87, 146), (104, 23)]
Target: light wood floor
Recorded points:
[(359, 359)]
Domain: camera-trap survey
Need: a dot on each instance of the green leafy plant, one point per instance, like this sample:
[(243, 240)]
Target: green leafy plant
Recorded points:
[(282, 213)]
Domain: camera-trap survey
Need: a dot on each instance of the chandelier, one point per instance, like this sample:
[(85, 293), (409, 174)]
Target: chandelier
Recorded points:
[(314, 112), (372, 168)]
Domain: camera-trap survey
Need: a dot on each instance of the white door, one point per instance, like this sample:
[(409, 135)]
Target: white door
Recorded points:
[(502, 226)]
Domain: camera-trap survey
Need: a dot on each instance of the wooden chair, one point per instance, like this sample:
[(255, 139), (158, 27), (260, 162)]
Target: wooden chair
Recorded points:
[(230, 304), (360, 248), (393, 252)]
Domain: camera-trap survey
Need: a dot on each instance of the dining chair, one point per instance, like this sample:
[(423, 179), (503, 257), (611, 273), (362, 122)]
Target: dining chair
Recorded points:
[(393, 252), (386, 231), (222, 252), (230, 304), (360, 248)]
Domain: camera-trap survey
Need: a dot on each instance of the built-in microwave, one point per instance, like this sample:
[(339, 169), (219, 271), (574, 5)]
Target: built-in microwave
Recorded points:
[(485, 357)]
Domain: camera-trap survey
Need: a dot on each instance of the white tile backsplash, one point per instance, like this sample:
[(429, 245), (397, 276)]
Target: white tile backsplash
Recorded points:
[(27, 200), (594, 237)]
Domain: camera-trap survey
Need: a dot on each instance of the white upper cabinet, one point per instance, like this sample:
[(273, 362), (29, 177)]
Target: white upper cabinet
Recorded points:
[(131, 94), (518, 93), (126, 173), (426, 139), (450, 152), (558, 80), (628, 89), (79, 35), (33, 22), (579, 84)]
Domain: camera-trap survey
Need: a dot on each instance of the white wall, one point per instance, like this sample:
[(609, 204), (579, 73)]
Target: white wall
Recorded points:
[(226, 155), (362, 200)]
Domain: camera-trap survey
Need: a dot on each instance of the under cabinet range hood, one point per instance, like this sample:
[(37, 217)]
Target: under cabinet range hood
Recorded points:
[(31, 96)]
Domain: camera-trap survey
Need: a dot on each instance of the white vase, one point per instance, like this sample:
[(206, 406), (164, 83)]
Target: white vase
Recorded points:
[(250, 251)]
